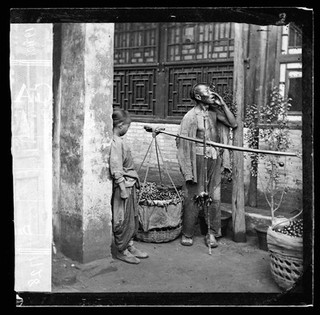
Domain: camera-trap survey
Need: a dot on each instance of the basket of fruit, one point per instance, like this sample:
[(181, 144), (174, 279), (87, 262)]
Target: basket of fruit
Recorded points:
[(160, 213), (285, 244)]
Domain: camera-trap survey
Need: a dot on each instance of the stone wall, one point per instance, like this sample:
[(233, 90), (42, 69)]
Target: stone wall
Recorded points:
[(139, 141), (97, 184), (71, 138), (83, 133)]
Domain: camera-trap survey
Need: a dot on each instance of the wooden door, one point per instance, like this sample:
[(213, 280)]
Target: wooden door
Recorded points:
[(136, 68), (196, 52), (156, 64)]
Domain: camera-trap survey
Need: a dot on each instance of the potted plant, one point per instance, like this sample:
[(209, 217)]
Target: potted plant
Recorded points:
[(273, 132), (283, 238)]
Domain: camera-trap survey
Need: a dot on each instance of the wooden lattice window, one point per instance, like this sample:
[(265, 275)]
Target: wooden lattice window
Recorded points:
[(182, 78), (156, 64), (135, 43), (291, 40), (135, 90), (200, 41), (295, 37), (290, 79)]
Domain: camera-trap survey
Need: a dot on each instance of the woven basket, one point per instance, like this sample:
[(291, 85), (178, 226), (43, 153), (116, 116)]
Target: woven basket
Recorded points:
[(166, 231), (286, 258), (285, 271), (159, 235)]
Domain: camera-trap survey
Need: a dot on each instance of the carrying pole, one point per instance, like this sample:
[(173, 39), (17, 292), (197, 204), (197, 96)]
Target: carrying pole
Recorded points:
[(205, 179), (156, 145), (219, 145)]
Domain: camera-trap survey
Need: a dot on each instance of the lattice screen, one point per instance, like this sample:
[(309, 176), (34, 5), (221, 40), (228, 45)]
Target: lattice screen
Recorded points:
[(295, 37), (134, 90), (174, 55), (135, 43), (200, 41), (182, 78)]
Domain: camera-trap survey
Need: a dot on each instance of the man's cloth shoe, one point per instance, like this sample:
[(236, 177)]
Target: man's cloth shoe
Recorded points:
[(211, 241), (127, 257), (137, 252), (186, 241)]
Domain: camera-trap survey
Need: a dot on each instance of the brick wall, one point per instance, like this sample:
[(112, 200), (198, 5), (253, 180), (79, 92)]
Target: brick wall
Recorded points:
[(139, 141), (293, 170)]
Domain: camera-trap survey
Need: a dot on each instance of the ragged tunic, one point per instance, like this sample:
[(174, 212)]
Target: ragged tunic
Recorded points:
[(191, 161), (125, 212), (192, 126)]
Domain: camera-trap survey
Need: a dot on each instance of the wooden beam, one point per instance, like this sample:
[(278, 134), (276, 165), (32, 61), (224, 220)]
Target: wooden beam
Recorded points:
[(238, 210)]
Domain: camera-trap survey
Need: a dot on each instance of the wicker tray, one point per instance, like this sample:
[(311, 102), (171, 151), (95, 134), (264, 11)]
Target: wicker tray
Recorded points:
[(286, 258), (160, 235)]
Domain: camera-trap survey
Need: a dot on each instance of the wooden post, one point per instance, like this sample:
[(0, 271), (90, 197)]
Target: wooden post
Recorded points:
[(263, 55), (238, 211), (251, 96), (255, 91)]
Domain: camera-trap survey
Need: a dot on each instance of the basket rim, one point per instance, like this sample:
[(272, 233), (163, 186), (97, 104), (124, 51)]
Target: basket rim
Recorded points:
[(271, 231), (159, 236), (169, 228), (172, 200)]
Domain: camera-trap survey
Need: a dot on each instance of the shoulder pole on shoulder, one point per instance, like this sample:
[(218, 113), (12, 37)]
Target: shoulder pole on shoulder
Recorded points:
[(219, 145)]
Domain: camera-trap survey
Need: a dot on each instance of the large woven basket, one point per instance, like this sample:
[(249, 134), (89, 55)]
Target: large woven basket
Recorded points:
[(159, 235), (164, 232), (286, 258)]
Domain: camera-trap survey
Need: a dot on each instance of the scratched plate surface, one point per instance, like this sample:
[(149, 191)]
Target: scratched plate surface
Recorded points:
[(31, 121)]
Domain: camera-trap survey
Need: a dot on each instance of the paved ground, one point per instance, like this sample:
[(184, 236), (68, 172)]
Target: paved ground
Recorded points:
[(171, 267)]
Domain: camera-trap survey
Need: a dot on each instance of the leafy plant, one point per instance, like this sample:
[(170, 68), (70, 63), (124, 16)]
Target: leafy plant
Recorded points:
[(252, 136), (273, 131)]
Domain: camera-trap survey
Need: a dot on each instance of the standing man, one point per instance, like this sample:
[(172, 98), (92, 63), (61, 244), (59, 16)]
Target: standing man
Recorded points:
[(191, 159)]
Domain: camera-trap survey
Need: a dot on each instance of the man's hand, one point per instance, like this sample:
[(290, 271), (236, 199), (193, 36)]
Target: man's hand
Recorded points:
[(124, 194), (189, 179), (123, 190), (219, 100)]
